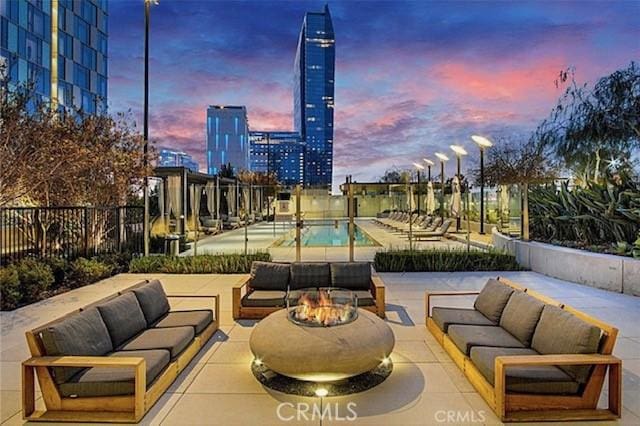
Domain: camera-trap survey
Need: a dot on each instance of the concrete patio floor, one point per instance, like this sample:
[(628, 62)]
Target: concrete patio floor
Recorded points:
[(218, 387)]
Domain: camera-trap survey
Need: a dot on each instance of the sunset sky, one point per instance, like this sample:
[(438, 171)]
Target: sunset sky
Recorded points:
[(411, 77)]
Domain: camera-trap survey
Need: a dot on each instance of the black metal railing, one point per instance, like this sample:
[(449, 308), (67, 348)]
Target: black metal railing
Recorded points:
[(69, 232)]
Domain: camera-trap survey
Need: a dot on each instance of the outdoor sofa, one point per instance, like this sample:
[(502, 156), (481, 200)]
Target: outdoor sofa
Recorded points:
[(112, 360), (270, 285), (530, 357)]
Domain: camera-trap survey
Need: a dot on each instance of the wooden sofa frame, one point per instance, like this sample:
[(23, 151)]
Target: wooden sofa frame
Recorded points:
[(517, 407), (107, 409), (254, 312)]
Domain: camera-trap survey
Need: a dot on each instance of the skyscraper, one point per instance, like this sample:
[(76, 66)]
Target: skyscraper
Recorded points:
[(313, 93), (280, 153), (227, 138), (169, 157), (61, 46)]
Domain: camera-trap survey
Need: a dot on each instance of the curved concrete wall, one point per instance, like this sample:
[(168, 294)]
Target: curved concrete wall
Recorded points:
[(615, 273)]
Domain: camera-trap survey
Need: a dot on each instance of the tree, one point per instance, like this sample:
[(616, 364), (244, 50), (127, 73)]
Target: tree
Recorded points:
[(396, 175), (594, 128), (226, 171)]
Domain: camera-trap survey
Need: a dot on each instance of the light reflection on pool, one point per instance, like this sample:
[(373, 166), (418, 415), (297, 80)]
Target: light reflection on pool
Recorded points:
[(327, 234)]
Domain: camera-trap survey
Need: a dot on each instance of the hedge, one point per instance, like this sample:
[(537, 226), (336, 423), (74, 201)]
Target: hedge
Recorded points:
[(439, 260), (201, 264)]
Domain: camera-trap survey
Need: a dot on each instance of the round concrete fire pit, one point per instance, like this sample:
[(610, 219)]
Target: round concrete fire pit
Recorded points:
[(321, 354)]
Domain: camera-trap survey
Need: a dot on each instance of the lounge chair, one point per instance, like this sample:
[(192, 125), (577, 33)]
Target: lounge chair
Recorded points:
[(209, 225), (434, 235)]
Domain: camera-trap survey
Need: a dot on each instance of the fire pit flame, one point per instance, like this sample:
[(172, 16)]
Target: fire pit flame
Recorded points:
[(319, 309)]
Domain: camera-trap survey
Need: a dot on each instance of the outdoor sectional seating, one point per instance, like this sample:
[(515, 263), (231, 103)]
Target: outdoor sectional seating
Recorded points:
[(529, 356), (270, 285), (112, 360)]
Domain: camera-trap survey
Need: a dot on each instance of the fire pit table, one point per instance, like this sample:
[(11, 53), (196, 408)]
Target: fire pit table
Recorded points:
[(322, 337)]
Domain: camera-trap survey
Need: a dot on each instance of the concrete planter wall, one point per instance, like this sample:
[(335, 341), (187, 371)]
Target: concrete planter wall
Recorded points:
[(605, 271)]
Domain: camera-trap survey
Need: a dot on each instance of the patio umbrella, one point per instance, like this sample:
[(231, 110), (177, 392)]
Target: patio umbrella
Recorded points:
[(456, 198), (431, 198)]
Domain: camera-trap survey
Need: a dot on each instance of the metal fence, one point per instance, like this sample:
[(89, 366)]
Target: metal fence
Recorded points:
[(69, 232)]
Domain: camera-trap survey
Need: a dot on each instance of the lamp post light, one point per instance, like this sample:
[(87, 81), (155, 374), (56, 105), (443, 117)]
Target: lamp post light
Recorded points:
[(429, 164), (442, 158), (418, 167), (459, 151), (483, 143)]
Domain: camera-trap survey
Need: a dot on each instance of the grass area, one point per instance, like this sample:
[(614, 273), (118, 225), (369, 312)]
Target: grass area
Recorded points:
[(201, 264), (444, 260)]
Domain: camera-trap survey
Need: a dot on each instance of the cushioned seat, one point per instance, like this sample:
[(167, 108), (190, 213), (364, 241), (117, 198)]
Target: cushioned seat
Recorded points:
[(444, 317), (531, 379), (198, 319), (351, 275), (309, 274), (492, 299), (467, 336), (174, 339), (98, 381), (365, 298), (264, 298)]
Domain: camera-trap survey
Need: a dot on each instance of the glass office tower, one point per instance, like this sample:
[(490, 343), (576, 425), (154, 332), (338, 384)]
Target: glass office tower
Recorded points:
[(313, 94), (59, 45), (168, 157), (227, 138), (281, 153)]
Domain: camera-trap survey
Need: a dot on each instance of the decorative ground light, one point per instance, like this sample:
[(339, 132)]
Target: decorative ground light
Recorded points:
[(355, 384)]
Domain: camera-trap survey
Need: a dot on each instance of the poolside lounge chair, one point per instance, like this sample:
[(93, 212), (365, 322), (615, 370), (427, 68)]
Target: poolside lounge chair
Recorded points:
[(434, 235), (209, 225), (416, 224)]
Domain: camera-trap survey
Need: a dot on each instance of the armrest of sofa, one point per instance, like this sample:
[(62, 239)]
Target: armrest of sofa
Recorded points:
[(614, 364), (429, 294), (216, 302), (377, 289), (28, 376), (237, 291)]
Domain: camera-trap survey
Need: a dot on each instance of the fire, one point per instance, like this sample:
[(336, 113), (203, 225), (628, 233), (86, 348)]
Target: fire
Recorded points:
[(321, 310)]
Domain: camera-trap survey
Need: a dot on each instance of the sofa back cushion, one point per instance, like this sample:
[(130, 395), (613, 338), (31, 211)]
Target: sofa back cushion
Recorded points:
[(351, 275), (492, 299), (123, 318), (153, 301), (269, 276), (310, 274), (84, 333), (521, 315), (560, 332)]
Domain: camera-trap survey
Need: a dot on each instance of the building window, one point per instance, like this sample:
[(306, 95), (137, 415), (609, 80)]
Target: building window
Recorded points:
[(88, 58), (82, 31), (88, 102), (81, 76)]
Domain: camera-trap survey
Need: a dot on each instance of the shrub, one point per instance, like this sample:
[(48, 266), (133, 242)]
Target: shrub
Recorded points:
[(87, 271), (201, 264), (9, 288), (35, 277), (59, 268), (119, 262), (443, 261)]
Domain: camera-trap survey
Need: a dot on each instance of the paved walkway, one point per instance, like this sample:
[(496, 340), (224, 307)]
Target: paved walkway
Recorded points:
[(218, 387)]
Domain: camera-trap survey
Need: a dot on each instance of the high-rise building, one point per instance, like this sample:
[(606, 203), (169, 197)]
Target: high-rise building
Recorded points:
[(227, 138), (168, 157), (60, 46), (281, 153), (313, 94)]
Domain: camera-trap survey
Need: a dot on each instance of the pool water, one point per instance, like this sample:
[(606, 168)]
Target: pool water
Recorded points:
[(327, 234)]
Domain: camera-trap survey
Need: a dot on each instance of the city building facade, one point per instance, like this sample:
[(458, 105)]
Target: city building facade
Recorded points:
[(168, 157), (281, 153), (227, 138), (313, 93), (61, 47)]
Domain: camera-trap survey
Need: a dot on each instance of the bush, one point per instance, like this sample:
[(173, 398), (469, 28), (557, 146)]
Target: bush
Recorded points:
[(119, 262), (201, 264), (59, 268), (87, 271), (9, 288), (35, 277), (443, 261)]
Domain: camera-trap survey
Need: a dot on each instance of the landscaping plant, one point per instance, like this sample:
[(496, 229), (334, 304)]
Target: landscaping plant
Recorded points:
[(201, 264), (439, 260)]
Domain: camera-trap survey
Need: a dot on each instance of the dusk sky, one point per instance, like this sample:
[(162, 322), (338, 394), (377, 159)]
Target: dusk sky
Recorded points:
[(411, 77)]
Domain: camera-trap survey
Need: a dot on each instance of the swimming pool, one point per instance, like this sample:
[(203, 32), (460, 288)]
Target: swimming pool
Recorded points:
[(327, 234)]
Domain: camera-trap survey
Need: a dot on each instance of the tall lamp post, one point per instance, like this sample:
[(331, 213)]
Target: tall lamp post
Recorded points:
[(483, 143), (429, 164), (459, 151), (442, 158), (145, 148), (418, 168)]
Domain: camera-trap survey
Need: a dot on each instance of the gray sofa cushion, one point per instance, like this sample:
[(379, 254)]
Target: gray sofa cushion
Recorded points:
[(83, 333), (198, 319), (365, 298), (521, 315), (269, 276), (174, 339), (444, 317), (533, 379), (123, 318), (351, 275), (98, 381), (153, 301), (264, 299), (467, 336), (492, 299), (310, 274), (559, 332)]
